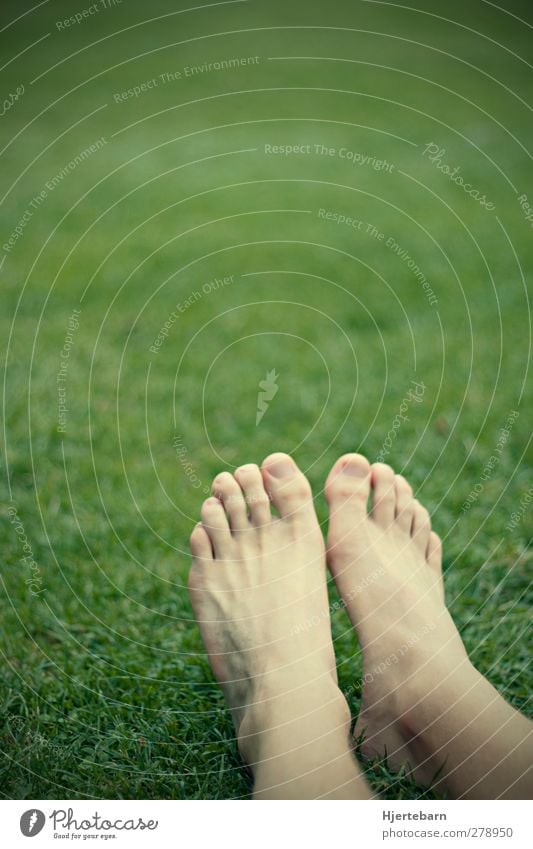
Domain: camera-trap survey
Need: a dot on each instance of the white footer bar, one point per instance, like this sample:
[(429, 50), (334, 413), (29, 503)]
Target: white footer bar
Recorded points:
[(264, 825)]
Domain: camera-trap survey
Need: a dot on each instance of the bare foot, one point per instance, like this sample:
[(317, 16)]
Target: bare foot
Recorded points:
[(255, 580), (386, 563)]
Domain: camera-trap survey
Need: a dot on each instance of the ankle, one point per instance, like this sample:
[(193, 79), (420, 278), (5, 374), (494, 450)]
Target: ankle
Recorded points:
[(291, 717), (431, 691)]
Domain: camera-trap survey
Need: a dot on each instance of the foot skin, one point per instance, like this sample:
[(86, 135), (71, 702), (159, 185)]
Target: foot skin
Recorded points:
[(255, 581), (386, 563)]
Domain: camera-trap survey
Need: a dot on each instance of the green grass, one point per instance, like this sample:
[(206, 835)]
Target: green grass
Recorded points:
[(105, 690)]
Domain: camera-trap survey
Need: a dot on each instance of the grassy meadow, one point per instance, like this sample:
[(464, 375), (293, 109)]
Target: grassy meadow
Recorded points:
[(192, 197)]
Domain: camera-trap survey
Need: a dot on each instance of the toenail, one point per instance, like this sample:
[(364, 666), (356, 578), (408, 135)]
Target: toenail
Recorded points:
[(281, 468), (355, 468)]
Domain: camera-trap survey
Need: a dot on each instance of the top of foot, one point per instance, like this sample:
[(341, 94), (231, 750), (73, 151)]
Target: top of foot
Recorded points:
[(386, 562), (256, 583)]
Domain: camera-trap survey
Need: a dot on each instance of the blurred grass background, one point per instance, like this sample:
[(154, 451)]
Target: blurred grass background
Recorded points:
[(105, 688)]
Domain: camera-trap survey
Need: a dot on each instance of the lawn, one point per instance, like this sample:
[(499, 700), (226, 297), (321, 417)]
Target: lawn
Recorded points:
[(190, 199)]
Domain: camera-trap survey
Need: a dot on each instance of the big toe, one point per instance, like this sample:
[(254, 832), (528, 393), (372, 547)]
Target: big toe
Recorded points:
[(347, 490), (384, 495), (200, 545), (288, 488), (348, 484)]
